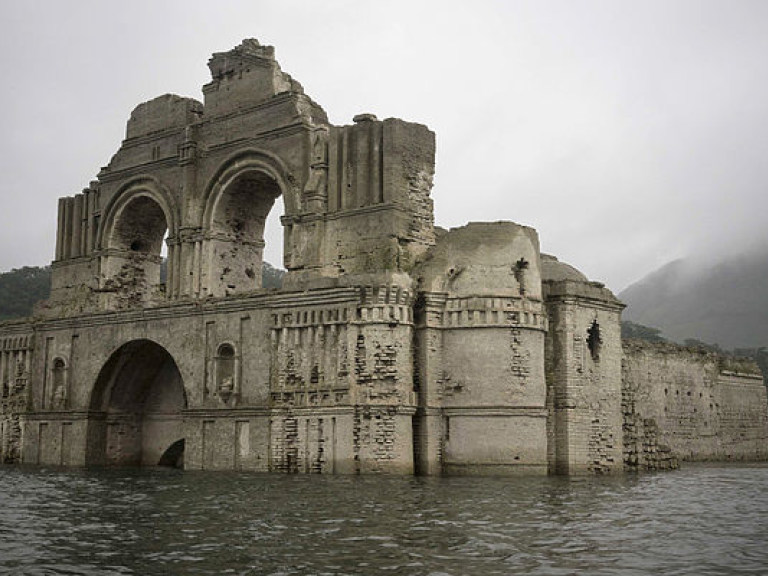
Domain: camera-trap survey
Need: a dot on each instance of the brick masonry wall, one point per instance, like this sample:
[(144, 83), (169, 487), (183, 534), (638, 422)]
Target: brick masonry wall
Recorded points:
[(680, 398), (583, 359)]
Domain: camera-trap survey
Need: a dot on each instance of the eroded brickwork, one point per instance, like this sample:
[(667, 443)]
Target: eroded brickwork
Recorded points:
[(374, 437), (642, 447), (299, 444), (15, 363), (688, 403)]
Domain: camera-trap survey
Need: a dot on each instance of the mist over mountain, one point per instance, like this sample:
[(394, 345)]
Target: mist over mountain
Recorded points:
[(722, 302)]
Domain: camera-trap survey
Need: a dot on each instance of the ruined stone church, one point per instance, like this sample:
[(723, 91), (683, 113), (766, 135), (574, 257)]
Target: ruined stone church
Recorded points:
[(393, 346)]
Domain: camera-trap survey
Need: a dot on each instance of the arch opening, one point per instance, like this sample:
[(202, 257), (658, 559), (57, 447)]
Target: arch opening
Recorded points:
[(140, 395), (173, 457), (134, 246), (236, 233), (594, 340)]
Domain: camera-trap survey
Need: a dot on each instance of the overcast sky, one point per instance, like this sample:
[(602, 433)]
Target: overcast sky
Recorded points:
[(627, 133)]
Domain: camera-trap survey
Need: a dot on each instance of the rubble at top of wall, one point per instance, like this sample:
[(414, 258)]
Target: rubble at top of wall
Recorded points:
[(724, 361)]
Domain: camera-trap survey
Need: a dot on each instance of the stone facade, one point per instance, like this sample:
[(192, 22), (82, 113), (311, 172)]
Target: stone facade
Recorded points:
[(393, 347), (683, 403)]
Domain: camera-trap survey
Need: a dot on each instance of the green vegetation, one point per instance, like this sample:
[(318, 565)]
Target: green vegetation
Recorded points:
[(271, 277), (640, 332), (21, 288)]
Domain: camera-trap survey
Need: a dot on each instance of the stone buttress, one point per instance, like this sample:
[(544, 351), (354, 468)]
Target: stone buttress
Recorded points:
[(584, 355)]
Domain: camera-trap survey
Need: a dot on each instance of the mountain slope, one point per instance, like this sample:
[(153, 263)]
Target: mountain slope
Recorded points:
[(21, 288), (724, 302)]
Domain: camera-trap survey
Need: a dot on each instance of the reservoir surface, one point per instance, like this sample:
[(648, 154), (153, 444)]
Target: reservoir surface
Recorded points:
[(699, 520)]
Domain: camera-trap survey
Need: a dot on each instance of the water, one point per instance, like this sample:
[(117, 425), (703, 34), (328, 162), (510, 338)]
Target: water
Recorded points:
[(700, 520)]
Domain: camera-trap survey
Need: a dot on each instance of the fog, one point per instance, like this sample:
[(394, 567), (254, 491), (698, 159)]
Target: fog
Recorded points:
[(627, 133)]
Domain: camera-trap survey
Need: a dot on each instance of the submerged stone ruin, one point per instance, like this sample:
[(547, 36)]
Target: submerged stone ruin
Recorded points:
[(393, 347)]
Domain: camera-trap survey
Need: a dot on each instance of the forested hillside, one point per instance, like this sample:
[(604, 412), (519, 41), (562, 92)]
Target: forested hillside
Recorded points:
[(21, 288)]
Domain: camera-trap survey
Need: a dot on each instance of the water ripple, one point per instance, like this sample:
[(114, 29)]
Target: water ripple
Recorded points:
[(702, 520)]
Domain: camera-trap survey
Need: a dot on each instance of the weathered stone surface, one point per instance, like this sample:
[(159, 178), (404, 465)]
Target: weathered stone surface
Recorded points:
[(687, 401), (393, 347)]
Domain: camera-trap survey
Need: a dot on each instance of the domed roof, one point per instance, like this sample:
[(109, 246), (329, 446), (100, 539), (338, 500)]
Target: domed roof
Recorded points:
[(553, 270)]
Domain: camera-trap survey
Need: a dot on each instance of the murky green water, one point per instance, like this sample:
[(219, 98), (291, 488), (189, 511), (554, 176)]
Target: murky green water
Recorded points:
[(700, 520)]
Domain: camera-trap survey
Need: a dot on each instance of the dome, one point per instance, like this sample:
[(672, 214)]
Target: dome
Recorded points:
[(552, 270)]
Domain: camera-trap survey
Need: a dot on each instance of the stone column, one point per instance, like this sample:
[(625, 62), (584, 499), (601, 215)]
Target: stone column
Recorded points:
[(170, 273), (67, 235), (60, 230), (429, 359), (77, 221)]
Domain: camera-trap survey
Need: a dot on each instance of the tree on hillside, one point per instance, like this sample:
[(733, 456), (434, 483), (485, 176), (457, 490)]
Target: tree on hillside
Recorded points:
[(271, 277), (696, 343), (21, 288), (640, 332)]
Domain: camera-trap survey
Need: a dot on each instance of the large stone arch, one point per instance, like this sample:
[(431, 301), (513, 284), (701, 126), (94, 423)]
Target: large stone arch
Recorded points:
[(136, 407), (237, 202), (144, 185), (251, 159), (134, 224)]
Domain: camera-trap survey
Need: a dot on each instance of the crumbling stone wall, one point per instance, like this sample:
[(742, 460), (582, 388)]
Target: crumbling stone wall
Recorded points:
[(15, 362), (299, 444), (680, 399), (643, 449)]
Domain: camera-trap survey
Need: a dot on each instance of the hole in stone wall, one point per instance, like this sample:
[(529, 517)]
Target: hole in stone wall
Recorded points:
[(519, 270), (594, 340)]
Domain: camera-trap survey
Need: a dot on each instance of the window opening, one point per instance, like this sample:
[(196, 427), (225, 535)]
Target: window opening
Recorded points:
[(594, 340)]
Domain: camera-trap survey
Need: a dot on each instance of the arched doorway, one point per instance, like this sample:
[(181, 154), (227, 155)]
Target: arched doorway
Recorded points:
[(235, 232), (137, 402), (137, 224)]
